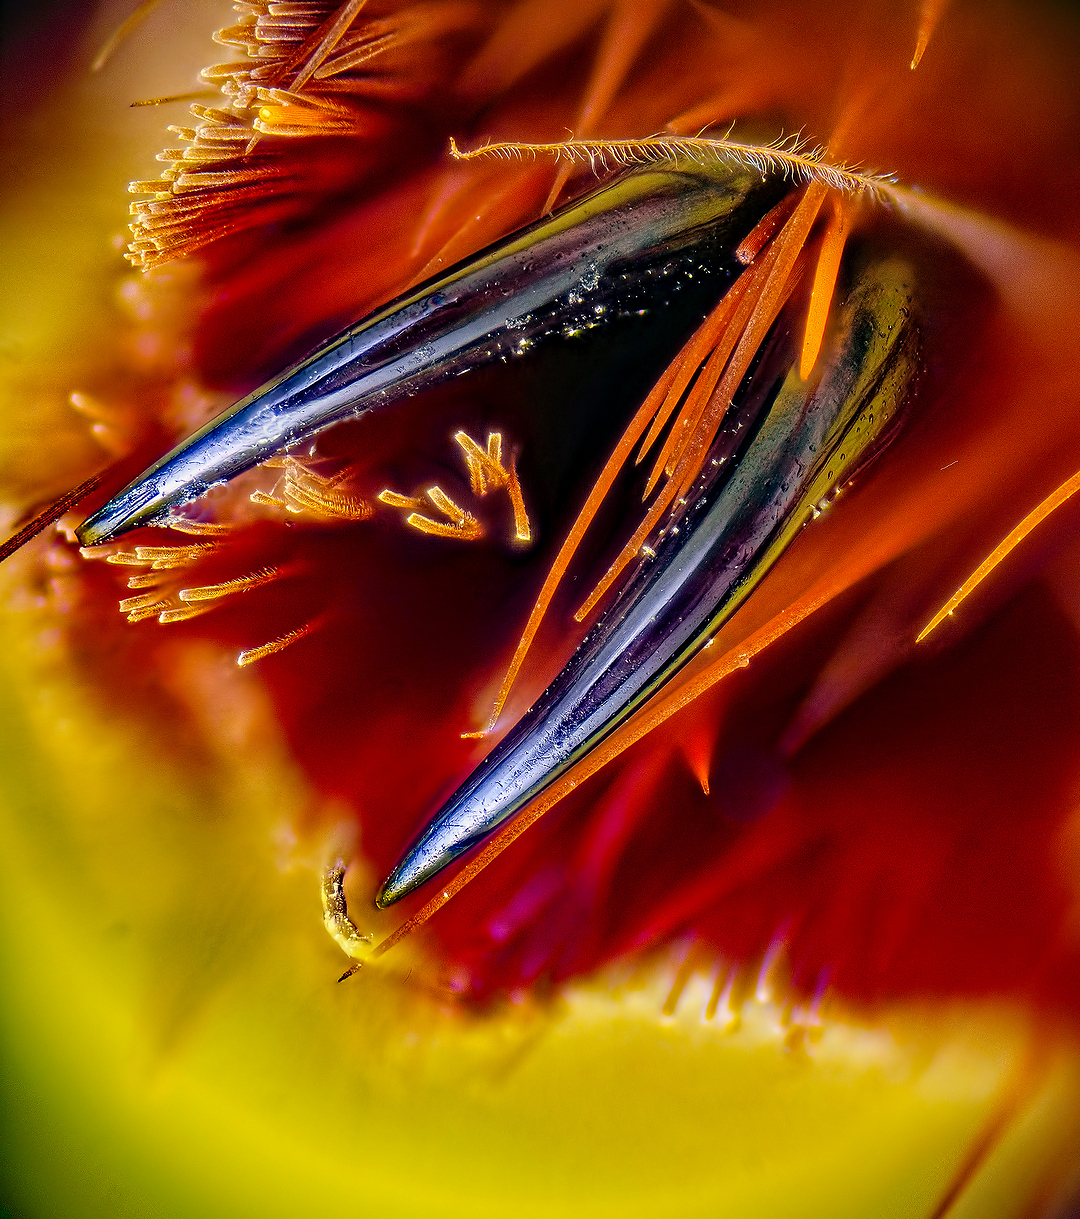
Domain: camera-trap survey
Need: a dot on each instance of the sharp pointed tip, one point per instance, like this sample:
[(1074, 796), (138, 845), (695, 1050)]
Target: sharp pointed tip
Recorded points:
[(137, 504), (95, 531), (89, 534), (430, 856), (393, 890)]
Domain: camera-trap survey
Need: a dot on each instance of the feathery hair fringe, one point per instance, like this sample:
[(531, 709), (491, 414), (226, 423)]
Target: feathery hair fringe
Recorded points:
[(790, 156)]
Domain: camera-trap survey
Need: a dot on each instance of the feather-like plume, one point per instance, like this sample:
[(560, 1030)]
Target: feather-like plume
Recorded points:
[(791, 156)]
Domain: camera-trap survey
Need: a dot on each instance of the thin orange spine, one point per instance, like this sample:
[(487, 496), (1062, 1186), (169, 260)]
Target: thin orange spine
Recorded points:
[(199, 528), (781, 278), (194, 95), (1029, 1075), (462, 239), (720, 108), (142, 601), (783, 275), (628, 27), (821, 295), (250, 655), (335, 29), (690, 359), (238, 584), (53, 513), (930, 14), (680, 693), (683, 690), (677, 377), (127, 26), (670, 491), (354, 58), (488, 473), (754, 242), (1005, 547), (150, 579), (601, 487), (633, 547), (772, 285), (692, 409), (683, 975)]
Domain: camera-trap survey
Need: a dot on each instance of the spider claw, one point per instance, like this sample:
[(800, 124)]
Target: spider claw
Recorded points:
[(787, 445), (598, 250)]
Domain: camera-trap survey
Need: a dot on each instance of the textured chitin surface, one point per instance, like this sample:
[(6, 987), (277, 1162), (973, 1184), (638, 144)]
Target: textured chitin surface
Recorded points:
[(902, 819)]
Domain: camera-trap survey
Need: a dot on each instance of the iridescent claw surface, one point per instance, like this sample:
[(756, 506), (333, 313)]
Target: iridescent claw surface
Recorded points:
[(786, 446), (601, 252)]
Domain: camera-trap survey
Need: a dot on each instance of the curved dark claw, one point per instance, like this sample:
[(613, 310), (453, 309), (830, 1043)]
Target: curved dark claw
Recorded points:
[(786, 446), (599, 252)]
